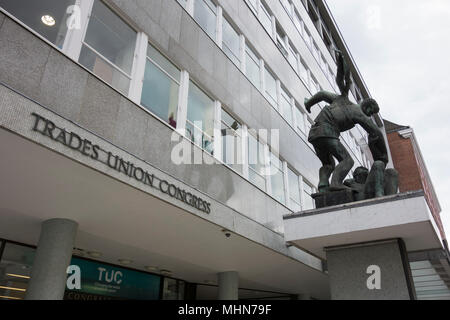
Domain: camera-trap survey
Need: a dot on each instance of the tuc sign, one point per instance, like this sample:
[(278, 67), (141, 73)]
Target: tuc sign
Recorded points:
[(87, 148), (102, 280)]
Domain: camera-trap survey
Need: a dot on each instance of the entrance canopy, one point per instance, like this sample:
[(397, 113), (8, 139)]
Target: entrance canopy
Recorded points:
[(121, 222)]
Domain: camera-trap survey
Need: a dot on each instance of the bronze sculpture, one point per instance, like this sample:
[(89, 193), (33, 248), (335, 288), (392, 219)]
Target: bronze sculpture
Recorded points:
[(339, 116), (376, 183)]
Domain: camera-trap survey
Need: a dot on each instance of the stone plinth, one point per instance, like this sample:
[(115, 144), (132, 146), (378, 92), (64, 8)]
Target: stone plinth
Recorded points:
[(365, 243), (333, 198), (370, 271), (404, 216)]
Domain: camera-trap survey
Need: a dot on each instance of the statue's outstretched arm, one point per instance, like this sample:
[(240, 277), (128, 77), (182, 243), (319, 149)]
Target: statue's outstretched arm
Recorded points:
[(319, 97), (343, 74), (377, 144)]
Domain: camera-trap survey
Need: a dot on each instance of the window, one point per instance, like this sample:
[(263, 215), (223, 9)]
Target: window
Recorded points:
[(351, 97), (200, 118), (308, 125), (253, 5), (16, 264), (271, 88), (46, 17), (173, 289), (183, 3), (160, 86), (359, 154), (316, 52), (300, 117), (308, 191), (108, 47), (304, 73), (231, 43), (281, 42), (231, 141), (205, 13), (256, 162), (286, 107), (298, 23), (252, 68), (313, 85), (293, 57), (287, 6), (331, 76), (277, 178), (265, 18), (308, 38), (294, 191), (324, 64)]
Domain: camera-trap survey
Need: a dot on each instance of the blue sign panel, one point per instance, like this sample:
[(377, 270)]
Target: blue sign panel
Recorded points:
[(106, 280)]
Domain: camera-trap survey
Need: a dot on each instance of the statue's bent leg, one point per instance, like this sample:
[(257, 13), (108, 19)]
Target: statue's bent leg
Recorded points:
[(390, 182), (328, 165), (324, 176), (345, 163), (374, 186)]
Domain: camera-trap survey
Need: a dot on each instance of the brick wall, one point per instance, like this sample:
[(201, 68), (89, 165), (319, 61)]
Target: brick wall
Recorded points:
[(411, 172), (405, 162)]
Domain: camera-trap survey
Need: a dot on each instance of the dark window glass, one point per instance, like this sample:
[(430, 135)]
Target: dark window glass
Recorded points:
[(46, 17)]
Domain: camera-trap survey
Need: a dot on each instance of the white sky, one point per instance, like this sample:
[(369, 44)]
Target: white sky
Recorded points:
[(402, 49)]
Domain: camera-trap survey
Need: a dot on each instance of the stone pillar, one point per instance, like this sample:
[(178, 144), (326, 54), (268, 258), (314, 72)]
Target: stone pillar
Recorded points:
[(376, 270), (53, 254), (228, 285)]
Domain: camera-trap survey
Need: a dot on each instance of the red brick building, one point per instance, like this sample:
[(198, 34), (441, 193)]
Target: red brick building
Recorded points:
[(410, 164)]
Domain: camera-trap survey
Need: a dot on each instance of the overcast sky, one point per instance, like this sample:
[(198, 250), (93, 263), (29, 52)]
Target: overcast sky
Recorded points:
[(402, 49)]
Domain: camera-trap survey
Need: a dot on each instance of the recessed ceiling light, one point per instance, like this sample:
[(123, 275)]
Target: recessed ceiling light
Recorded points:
[(166, 272), (78, 252), (151, 268), (48, 20), (125, 261), (94, 254), (17, 275)]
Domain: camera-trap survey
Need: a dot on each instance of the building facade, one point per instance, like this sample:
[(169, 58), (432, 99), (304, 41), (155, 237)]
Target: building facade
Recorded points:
[(413, 173), (169, 138), (430, 269)]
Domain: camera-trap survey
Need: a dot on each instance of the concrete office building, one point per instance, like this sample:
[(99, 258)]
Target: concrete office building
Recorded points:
[(135, 146)]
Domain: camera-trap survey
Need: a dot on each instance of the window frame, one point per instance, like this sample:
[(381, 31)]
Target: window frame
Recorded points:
[(83, 42), (261, 149), (191, 137), (214, 11), (237, 144), (298, 183), (271, 99), (224, 44), (280, 168), (160, 68), (250, 53)]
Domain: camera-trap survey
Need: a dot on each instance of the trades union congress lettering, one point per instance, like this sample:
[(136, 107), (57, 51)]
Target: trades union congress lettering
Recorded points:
[(87, 148)]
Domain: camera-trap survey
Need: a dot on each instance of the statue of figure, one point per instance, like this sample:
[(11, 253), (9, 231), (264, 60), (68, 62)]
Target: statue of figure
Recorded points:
[(378, 182), (341, 115)]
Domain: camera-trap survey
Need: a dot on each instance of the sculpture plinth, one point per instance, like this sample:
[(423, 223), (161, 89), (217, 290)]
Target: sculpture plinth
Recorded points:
[(328, 199), (359, 237)]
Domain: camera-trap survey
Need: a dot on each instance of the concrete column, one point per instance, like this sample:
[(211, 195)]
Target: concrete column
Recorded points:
[(377, 270), (228, 285), (53, 254)]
